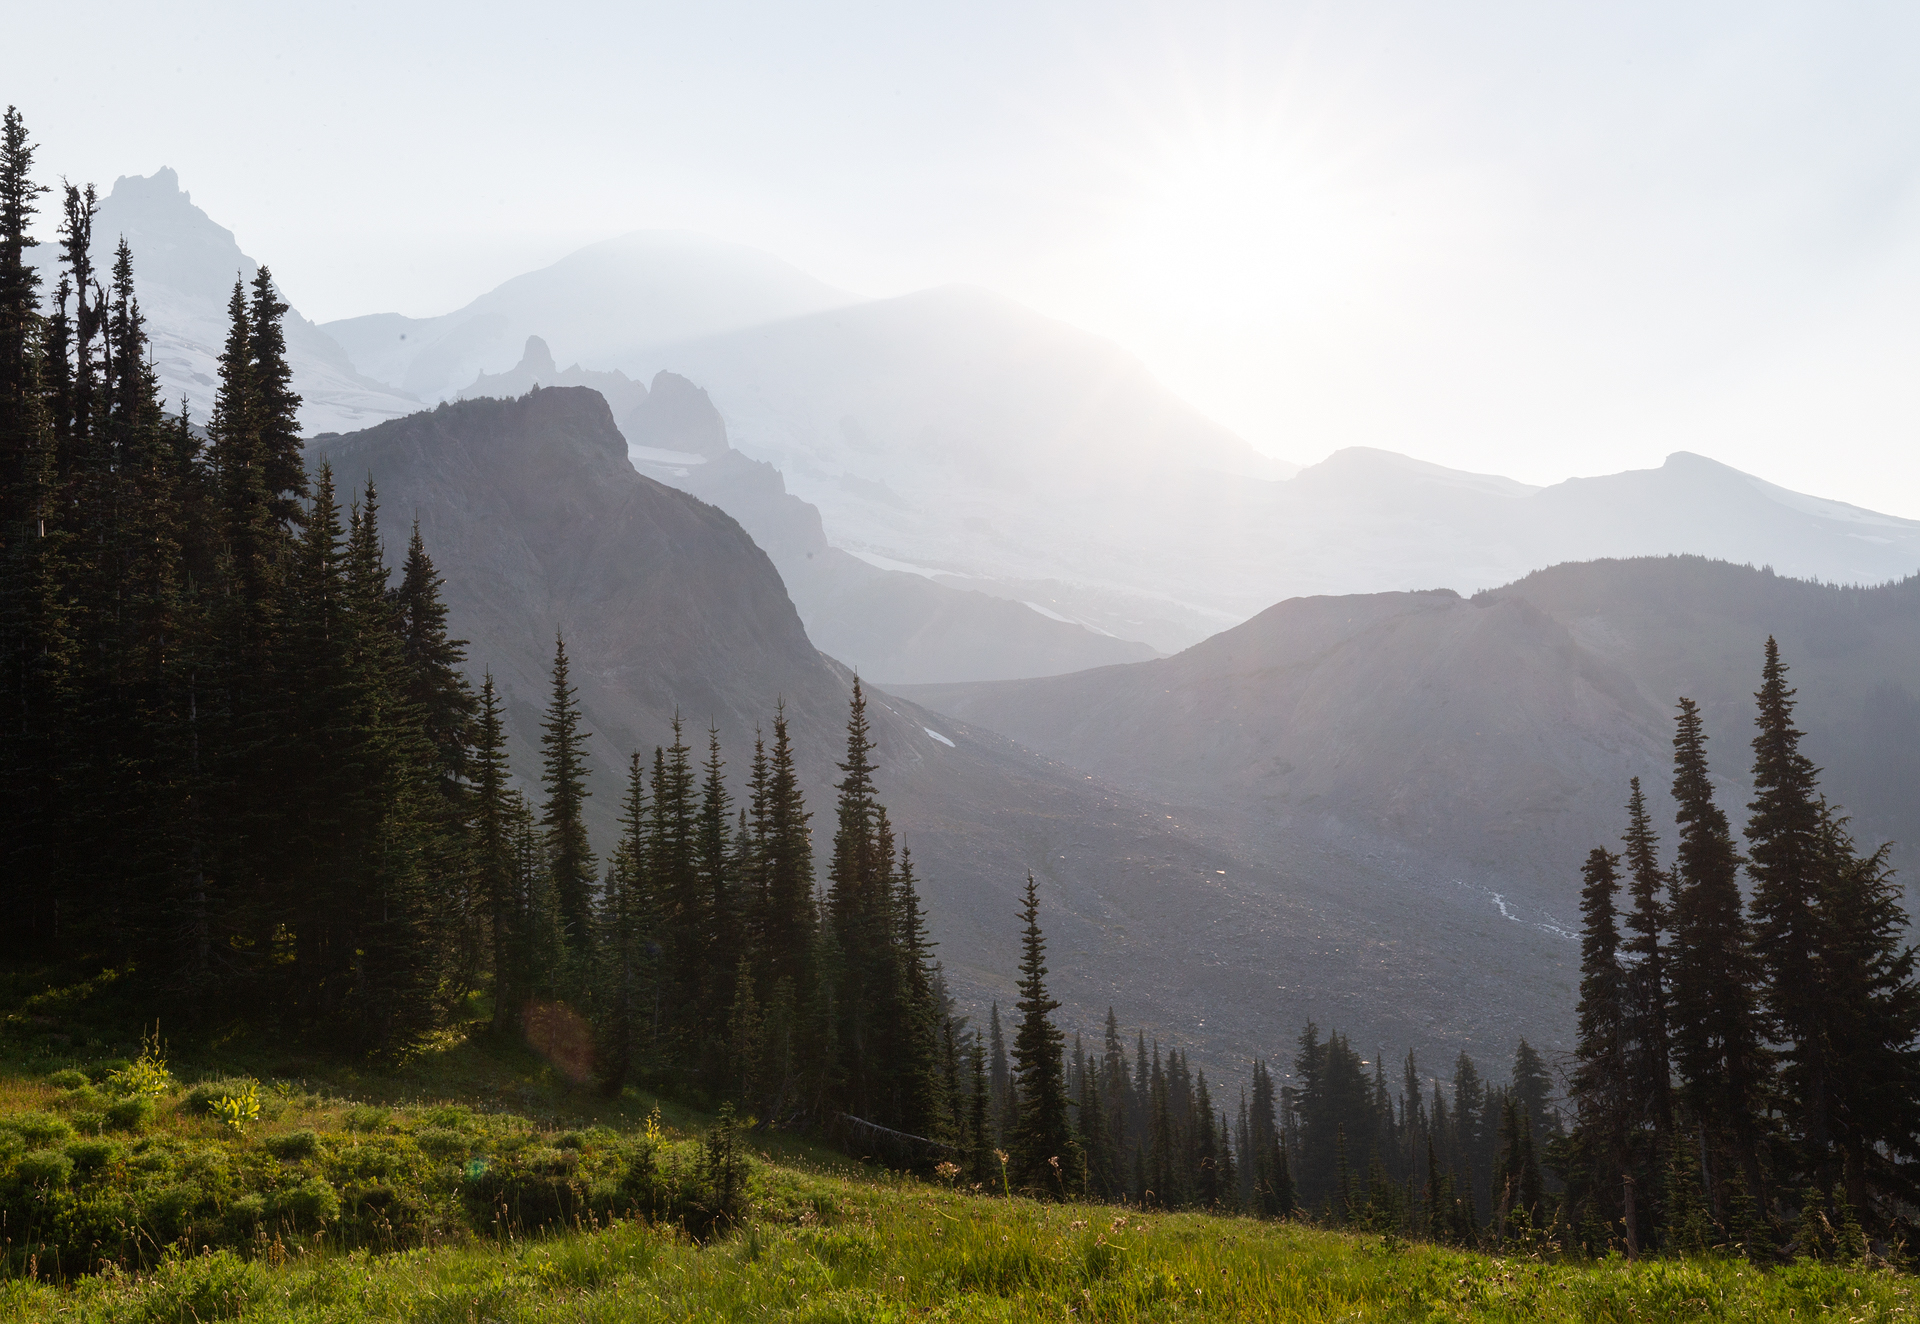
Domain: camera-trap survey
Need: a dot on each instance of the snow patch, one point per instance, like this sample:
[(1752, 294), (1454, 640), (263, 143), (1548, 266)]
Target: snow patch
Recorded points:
[(937, 736), (654, 455), (879, 562)]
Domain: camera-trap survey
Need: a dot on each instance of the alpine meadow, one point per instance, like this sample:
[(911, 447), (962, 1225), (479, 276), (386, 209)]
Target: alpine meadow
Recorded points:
[(866, 806)]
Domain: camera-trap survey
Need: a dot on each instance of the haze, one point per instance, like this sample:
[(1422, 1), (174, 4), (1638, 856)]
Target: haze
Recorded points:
[(1504, 238)]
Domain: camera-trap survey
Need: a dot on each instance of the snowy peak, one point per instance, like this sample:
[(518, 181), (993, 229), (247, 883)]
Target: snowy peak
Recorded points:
[(184, 267), (603, 306)]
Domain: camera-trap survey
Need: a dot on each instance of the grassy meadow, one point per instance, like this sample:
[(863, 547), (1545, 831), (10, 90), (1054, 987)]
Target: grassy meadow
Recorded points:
[(475, 1184)]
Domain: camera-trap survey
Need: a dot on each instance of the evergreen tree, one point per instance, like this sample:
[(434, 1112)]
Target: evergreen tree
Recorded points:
[(435, 686), (492, 827), (787, 929), (980, 1162), (1602, 1082), (564, 778), (1716, 1038), (1001, 1086), (1872, 1017), (1648, 1056), (1044, 1152)]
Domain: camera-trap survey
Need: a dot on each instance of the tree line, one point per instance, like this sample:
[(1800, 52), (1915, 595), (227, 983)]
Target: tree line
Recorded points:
[(239, 757), (1747, 1072)]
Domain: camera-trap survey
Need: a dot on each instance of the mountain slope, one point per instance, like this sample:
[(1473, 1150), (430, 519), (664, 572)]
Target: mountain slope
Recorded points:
[(888, 625), (1488, 740), (538, 524)]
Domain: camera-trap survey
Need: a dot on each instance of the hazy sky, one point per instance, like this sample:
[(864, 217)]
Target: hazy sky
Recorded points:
[(1533, 239)]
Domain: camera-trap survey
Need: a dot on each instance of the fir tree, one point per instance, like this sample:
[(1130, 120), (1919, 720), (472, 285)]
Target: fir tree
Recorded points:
[(493, 814), (787, 927), (1043, 1148), (1648, 1060), (1713, 990), (564, 778)]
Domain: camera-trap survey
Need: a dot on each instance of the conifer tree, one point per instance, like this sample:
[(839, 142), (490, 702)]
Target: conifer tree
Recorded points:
[(1602, 1084), (435, 686), (681, 894), (716, 945), (1045, 1155), (628, 1005), (35, 642), (276, 406), (1001, 1087), (918, 1095), (979, 1122), (493, 815), (1867, 969), (564, 778), (1646, 976), (787, 928), (1713, 991)]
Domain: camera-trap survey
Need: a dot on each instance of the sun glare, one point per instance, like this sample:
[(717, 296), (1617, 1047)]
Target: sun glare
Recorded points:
[(1229, 230)]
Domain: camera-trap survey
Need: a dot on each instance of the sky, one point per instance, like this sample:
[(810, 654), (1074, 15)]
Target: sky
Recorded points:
[(1519, 238)]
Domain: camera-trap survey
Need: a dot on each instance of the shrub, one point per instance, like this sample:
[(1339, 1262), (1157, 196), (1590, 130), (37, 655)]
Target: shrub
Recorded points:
[(294, 1145), (204, 1097), (39, 1129), (84, 1098), (88, 1155), (451, 1117), (363, 1117), (131, 1113), (443, 1144), (45, 1167), (311, 1204), (247, 1213), (69, 1079)]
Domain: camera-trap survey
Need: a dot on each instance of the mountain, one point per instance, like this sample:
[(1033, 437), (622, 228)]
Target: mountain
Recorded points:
[(886, 625), (603, 306), (538, 523), (184, 265), (961, 436), (1438, 755), (955, 436), (537, 368)]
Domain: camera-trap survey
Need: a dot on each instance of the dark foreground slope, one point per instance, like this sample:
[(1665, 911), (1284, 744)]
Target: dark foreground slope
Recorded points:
[(539, 524)]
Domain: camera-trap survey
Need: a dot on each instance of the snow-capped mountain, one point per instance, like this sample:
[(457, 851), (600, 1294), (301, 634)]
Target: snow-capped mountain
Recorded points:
[(184, 266), (602, 307)]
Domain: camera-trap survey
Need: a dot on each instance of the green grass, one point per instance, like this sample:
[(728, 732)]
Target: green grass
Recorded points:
[(354, 1195), (898, 1251)]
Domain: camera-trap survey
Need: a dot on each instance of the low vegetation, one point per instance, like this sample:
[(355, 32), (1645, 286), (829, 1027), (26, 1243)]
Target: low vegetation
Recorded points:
[(475, 1184)]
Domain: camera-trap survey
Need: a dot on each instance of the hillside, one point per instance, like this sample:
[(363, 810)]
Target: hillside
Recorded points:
[(538, 523), (512, 1196), (1472, 750)]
